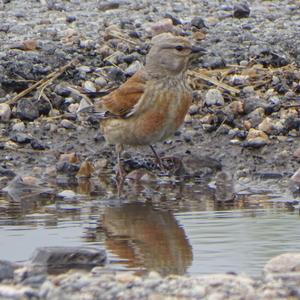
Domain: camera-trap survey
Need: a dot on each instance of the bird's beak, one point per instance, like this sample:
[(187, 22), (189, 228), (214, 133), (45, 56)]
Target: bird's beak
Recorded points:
[(198, 50)]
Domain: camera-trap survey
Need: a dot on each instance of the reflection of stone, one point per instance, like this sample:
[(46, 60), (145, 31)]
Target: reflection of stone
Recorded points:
[(147, 238)]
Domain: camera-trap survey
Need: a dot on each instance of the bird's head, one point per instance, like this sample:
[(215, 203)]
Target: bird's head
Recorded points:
[(169, 55)]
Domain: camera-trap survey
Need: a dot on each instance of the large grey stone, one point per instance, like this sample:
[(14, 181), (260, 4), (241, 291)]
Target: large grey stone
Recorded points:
[(6, 270), (56, 258)]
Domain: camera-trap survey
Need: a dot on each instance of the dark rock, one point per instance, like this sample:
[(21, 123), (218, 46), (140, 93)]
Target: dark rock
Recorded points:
[(134, 34), (255, 144), (4, 28), (198, 22), (4, 172), (67, 168), (27, 110), (62, 91), (6, 270), (37, 145), (70, 19), (116, 74), (269, 175), (281, 88), (175, 20), (241, 10), (107, 5), (98, 137), (10, 85), (292, 123), (43, 107), (250, 104), (21, 138), (62, 258), (213, 62)]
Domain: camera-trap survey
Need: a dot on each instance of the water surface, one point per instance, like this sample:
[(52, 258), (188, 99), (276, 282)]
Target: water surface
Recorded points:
[(176, 228)]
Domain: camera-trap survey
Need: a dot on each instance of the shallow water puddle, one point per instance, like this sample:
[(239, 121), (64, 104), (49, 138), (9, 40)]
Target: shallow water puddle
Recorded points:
[(173, 229)]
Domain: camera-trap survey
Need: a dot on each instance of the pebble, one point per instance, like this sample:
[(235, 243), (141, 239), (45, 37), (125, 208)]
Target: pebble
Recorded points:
[(100, 82), (105, 5), (198, 22), (21, 138), (164, 25), (5, 112), (27, 110), (214, 97), (241, 10), (37, 145), (89, 87), (67, 124)]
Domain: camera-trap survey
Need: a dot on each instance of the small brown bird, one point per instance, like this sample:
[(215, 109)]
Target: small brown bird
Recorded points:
[(151, 105)]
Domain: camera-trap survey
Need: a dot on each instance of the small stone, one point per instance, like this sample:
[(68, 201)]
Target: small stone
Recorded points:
[(256, 116), (67, 124), (164, 25), (199, 35), (37, 145), (89, 87), (133, 68), (241, 10), (255, 144), (105, 5), (86, 170), (73, 108), (100, 82), (239, 79), (21, 138), (5, 112), (214, 97), (237, 107), (70, 19), (174, 19), (266, 125), (254, 134), (214, 62), (27, 110), (67, 194), (198, 22), (194, 109)]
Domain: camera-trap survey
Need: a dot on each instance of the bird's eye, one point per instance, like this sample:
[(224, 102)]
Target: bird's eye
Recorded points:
[(179, 48)]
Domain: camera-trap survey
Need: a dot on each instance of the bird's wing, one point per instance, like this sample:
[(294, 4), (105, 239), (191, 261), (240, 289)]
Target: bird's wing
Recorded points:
[(122, 100)]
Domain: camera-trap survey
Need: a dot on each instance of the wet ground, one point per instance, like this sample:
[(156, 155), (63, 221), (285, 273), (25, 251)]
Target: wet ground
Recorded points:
[(172, 228)]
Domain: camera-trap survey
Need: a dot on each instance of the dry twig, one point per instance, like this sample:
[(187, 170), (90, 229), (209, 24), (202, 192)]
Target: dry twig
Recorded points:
[(43, 82)]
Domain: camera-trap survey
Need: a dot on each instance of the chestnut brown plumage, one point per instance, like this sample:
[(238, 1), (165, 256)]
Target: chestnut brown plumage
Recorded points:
[(151, 105)]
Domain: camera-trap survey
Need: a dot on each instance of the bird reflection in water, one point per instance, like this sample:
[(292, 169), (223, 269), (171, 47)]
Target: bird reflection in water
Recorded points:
[(147, 238)]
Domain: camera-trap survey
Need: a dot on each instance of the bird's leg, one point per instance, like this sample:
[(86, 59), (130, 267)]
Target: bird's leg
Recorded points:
[(120, 172), (157, 158)]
